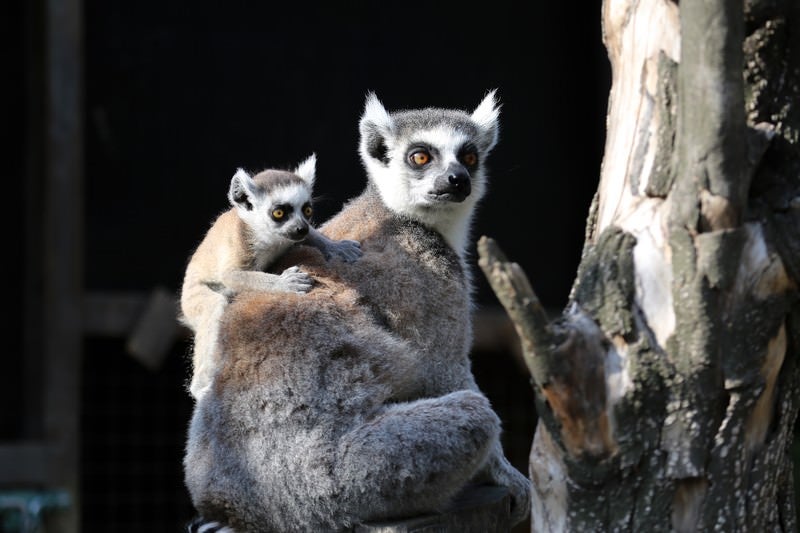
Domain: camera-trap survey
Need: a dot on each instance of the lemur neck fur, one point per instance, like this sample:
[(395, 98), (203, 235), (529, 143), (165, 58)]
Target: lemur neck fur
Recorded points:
[(452, 221), (263, 248)]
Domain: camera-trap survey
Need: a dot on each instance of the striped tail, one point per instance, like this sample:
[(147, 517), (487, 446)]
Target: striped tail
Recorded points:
[(201, 525)]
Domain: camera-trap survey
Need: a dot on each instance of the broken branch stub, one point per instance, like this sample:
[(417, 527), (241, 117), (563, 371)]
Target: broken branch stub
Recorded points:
[(515, 293), (565, 359)]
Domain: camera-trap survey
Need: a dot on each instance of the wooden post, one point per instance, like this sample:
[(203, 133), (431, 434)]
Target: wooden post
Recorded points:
[(46, 458)]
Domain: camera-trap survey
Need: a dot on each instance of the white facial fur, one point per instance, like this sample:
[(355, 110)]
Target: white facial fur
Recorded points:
[(406, 195), (259, 218), (405, 192), (267, 234)]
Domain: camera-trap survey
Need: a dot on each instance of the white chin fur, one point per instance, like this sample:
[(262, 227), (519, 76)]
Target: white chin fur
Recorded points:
[(451, 219)]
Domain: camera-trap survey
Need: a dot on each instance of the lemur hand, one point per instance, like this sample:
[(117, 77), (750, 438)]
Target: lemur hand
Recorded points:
[(346, 250), (294, 280)]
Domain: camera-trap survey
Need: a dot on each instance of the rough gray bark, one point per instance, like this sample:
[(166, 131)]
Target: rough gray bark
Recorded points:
[(668, 388)]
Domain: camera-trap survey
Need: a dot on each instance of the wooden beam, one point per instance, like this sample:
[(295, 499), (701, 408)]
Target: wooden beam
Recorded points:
[(62, 239)]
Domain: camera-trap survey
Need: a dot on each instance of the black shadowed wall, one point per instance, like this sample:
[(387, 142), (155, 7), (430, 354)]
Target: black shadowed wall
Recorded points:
[(177, 95)]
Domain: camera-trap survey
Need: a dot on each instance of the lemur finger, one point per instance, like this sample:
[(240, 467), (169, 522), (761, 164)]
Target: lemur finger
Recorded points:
[(295, 274), (300, 288)]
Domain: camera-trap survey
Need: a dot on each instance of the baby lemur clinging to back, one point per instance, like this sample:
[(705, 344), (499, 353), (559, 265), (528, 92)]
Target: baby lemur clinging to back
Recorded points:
[(270, 213), (356, 401)]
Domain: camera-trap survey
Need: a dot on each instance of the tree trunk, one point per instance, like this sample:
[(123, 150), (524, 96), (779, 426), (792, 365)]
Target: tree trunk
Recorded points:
[(667, 390)]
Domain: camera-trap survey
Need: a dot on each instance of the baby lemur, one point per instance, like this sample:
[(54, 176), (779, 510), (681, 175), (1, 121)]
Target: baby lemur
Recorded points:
[(270, 213), (356, 401)]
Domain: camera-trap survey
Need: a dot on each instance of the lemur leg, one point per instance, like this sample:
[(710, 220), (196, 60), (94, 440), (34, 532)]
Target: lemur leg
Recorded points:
[(415, 456), (206, 332), (216, 298)]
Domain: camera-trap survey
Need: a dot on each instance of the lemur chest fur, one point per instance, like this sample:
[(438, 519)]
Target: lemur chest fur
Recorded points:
[(409, 278), (262, 252)]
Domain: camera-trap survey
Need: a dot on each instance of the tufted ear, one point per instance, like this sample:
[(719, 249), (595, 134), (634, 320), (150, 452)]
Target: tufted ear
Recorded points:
[(486, 116), (308, 169), (375, 125), (241, 190)]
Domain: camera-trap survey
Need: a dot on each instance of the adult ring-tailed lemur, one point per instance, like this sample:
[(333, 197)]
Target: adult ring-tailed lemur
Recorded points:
[(356, 401)]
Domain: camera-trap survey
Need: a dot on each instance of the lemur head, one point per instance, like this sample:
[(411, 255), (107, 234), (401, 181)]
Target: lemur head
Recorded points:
[(429, 164), (275, 204)]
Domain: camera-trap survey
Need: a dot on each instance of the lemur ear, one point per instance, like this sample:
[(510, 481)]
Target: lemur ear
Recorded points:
[(375, 112), (486, 116), (308, 169), (374, 127), (240, 190)]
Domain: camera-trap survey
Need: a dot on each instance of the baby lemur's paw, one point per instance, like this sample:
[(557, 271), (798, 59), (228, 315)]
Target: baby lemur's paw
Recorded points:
[(346, 250), (294, 280)]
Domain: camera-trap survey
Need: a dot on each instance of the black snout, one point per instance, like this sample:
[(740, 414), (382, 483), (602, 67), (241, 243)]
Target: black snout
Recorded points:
[(459, 180), (298, 232), (455, 185)]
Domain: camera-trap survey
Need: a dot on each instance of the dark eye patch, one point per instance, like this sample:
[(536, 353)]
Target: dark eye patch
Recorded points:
[(286, 208), (468, 155)]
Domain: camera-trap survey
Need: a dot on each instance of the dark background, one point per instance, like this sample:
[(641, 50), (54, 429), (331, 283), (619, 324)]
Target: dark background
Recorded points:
[(177, 95)]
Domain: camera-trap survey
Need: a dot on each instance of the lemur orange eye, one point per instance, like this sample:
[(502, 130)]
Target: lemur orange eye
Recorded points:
[(470, 159), (278, 214), (307, 211), (420, 158)]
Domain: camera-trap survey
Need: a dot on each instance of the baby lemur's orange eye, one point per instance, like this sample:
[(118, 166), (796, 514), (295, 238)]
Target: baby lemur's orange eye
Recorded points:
[(307, 211), (420, 158), (470, 159), (278, 214)]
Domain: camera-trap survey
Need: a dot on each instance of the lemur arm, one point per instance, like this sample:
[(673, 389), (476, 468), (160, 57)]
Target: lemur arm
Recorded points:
[(290, 280), (346, 250)]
